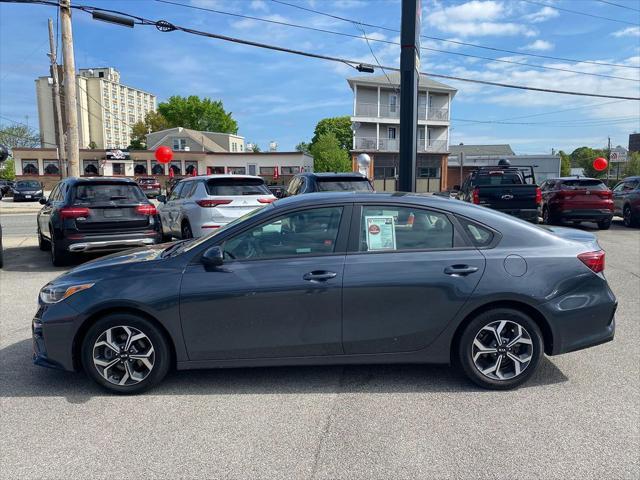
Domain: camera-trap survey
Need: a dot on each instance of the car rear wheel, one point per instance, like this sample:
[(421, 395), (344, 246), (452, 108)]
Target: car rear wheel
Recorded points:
[(500, 349), (125, 353), (604, 224), (627, 216), (185, 231), (43, 244), (59, 256)]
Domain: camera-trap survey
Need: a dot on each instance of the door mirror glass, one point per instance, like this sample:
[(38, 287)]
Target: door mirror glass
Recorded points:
[(43, 201), (213, 257), (161, 199)]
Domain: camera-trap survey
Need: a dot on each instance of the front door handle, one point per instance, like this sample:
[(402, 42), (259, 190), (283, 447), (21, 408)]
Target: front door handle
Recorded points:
[(319, 276), (460, 270)]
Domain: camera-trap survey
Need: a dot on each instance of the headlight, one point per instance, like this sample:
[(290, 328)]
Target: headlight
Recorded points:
[(56, 293)]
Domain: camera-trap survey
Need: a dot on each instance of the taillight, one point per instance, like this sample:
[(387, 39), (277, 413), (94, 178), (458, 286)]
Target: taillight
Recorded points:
[(605, 193), (593, 260), (538, 195), (476, 196), (213, 203), (266, 200), (146, 210), (73, 212)]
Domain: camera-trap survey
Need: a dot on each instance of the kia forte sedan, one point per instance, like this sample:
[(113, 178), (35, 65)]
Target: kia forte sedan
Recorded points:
[(334, 278)]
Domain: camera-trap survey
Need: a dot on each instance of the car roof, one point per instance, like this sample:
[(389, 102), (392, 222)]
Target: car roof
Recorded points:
[(332, 175), (367, 197), (220, 175), (98, 180), (575, 177), (632, 177)]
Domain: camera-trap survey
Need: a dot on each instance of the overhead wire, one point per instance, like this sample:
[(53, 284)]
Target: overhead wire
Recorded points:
[(577, 12)]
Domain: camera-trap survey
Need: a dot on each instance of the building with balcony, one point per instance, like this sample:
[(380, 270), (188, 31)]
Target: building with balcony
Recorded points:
[(376, 126)]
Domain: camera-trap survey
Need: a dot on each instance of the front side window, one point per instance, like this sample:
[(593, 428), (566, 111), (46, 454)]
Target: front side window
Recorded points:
[(393, 228), (301, 233), (175, 194)]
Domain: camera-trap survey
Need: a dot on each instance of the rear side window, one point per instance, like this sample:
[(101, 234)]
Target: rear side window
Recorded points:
[(480, 236), (237, 186), (582, 185), (337, 185), (99, 193)]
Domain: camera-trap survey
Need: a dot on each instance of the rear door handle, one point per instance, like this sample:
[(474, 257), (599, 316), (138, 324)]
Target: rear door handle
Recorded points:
[(460, 270), (319, 276)]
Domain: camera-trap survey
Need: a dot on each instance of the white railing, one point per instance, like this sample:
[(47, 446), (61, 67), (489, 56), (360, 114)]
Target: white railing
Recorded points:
[(433, 146), (440, 114), (393, 111), (393, 144)]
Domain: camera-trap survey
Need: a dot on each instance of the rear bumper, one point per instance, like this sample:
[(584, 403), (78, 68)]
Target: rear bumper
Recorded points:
[(530, 215), (585, 215), (111, 242)]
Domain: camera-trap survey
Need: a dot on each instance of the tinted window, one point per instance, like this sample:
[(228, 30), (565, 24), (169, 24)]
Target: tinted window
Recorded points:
[(237, 186), (187, 189), (389, 228), (480, 236), (336, 185), (307, 232), (118, 193), (582, 185), (630, 185), (499, 178)]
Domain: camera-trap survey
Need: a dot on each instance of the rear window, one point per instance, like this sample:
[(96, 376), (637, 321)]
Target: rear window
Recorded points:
[(582, 185), (498, 178), (237, 186), (337, 185), (147, 181), (108, 193)]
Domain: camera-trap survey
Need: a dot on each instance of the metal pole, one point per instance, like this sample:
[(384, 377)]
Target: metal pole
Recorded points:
[(70, 100), (608, 160), (461, 156), (56, 103), (409, 78)]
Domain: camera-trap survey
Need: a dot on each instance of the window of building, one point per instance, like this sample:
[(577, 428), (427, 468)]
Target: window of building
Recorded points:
[(289, 170), (30, 167), (140, 168), (157, 168), (237, 170), (52, 167), (215, 170), (100, 74), (391, 132), (380, 173), (267, 171), (392, 228), (179, 143), (241, 147), (118, 168), (90, 167), (234, 147), (176, 167), (393, 103), (428, 172), (191, 168)]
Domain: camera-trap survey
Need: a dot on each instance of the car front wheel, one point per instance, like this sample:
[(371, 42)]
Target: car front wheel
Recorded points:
[(627, 216), (125, 353), (500, 349)]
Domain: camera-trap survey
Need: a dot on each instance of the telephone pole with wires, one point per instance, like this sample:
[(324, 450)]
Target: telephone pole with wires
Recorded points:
[(56, 102), (70, 94)]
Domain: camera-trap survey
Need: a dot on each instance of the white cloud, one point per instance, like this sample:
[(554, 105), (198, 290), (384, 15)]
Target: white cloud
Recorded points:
[(259, 5), (539, 46), (541, 15), (627, 32)]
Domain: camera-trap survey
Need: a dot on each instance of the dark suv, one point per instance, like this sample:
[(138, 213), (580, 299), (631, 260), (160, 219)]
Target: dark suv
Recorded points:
[(96, 214), (626, 199), (328, 182)]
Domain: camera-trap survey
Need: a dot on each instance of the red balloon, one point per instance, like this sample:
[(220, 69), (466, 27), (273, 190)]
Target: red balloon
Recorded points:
[(600, 164), (164, 154)]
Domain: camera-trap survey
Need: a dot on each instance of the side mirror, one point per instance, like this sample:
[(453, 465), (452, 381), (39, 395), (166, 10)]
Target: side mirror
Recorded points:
[(161, 198), (456, 188), (213, 257), (43, 201)]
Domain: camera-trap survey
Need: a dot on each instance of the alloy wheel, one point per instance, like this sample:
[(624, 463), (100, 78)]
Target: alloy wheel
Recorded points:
[(626, 216), (123, 355), (502, 350)]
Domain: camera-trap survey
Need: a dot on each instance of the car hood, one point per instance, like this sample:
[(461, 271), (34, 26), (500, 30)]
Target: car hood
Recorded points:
[(575, 235)]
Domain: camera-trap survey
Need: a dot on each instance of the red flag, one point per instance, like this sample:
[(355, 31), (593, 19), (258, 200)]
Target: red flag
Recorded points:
[(276, 175), (194, 172), (171, 174)]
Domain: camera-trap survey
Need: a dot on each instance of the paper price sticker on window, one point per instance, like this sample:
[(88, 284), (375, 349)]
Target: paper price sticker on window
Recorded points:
[(381, 233)]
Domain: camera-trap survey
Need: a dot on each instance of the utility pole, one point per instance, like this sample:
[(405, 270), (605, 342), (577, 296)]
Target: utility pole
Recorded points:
[(608, 159), (56, 103), (70, 99), (461, 168), (409, 78)]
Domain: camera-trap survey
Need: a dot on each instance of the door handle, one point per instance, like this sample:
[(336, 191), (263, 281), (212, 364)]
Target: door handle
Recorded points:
[(319, 276), (460, 270)]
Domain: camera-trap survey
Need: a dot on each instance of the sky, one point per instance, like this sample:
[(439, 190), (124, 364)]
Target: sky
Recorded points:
[(280, 97)]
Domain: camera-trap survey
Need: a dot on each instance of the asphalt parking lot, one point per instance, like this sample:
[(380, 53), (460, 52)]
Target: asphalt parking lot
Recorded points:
[(579, 417)]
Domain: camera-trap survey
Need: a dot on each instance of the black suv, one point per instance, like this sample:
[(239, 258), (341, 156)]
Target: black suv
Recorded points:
[(328, 182), (96, 214)]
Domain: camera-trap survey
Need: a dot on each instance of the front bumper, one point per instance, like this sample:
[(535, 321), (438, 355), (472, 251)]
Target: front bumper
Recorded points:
[(53, 339), (26, 197)]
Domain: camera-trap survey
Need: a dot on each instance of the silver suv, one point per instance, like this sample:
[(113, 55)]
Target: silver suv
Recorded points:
[(199, 205)]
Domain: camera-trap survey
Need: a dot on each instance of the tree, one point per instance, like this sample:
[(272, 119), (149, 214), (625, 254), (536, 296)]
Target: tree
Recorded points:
[(632, 168), (565, 164), (328, 156), (198, 114), (253, 147), (303, 147), (338, 126), (8, 170), (153, 122), (583, 157), (16, 136)]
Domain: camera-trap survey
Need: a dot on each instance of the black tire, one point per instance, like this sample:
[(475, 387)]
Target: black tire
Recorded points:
[(59, 256), (160, 346), (547, 218), (185, 231), (604, 224), (43, 244), (628, 218), (465, 348)]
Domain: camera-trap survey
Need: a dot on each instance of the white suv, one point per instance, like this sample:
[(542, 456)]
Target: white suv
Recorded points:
[(199, 205)]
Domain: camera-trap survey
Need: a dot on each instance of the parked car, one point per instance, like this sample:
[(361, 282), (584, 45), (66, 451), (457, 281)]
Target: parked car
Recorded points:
[(27, 190), (278, 191), (328, 182), (150, 186), (334, 278), (5, 187), (626, 200), (96, 215), (508, 189), (198, 205), (576, 199)]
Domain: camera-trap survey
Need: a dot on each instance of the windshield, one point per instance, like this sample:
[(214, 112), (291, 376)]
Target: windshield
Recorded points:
[(351, 185), (118, 193), (237, 186), (28, 184)]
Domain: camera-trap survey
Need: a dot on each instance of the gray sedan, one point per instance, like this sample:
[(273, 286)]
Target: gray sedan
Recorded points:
[(334, 278)]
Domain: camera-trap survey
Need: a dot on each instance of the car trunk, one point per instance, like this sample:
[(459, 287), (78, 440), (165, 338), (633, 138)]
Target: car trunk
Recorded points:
[(230, 198), (507, 197), (585, 195)]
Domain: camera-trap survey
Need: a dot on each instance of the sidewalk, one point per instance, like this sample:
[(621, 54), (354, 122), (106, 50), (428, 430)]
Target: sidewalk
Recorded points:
[(8, 207)]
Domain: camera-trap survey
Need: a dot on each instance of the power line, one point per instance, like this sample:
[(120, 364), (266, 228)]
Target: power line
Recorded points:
[(563, 110), (558, 123), (618, 5), (388, 42), (439, 39), (576, 12)]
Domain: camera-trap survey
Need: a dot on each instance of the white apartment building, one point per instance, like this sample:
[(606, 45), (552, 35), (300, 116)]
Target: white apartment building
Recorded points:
[(376, 126), (107, 109)]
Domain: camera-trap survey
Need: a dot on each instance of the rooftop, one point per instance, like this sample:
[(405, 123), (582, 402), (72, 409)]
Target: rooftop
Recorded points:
[(481, 150), (393, 78)]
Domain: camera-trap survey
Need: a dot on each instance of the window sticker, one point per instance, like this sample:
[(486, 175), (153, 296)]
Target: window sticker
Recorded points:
[(381, 233)]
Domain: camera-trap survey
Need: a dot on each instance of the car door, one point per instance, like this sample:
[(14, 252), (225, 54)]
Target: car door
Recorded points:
[(278, 294), (168, 212), (618, 197), (407, 274), (44, 216)]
